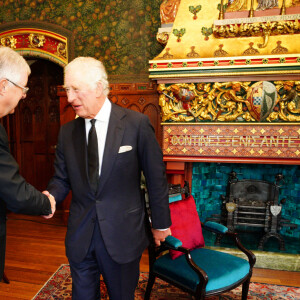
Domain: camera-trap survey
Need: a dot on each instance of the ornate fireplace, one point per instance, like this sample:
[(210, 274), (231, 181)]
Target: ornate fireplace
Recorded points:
[(229, 98)]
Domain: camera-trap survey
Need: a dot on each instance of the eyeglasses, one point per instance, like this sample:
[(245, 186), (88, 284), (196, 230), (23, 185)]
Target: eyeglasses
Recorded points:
[(24, 89)]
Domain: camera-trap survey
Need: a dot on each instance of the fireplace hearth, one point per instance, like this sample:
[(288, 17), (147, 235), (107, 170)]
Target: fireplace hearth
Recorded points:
[(251, 203)]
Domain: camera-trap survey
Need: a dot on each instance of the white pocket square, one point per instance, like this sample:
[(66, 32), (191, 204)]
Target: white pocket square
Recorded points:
[(125, 149)]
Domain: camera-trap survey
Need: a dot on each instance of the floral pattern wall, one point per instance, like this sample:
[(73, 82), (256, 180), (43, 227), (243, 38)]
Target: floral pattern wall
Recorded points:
[(121, 33)]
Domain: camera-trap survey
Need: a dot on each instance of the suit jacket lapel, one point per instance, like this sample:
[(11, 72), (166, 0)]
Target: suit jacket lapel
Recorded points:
[(113, 141)]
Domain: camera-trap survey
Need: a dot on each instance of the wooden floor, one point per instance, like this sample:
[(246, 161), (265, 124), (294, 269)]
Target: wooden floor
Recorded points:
[(35, 249)]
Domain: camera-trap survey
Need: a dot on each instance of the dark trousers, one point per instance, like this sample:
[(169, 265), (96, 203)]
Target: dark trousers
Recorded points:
[(120, 279)]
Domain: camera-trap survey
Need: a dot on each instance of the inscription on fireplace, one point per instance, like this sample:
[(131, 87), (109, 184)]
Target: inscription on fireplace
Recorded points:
[(236, 141), (278, 141)]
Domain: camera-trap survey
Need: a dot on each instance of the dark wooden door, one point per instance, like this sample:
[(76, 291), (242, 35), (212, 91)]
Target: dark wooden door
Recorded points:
[(38, 123)]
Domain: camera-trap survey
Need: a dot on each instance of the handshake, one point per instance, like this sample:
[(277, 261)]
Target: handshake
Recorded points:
[(53, 204)]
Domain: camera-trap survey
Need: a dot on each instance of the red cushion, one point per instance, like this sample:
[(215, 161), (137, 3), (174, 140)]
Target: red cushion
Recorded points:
[(186, 225)]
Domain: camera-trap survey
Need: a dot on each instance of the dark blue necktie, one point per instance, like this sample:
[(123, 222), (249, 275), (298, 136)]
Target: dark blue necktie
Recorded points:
[(93, 157)]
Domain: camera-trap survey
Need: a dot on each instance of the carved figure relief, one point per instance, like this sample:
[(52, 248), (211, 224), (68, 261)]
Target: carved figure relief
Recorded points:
[(230, 102), (266, 4), (289, 102), (168, 11)]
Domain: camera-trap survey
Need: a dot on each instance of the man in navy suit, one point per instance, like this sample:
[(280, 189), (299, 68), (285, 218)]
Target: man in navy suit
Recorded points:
[(106, 228), (15, 193)]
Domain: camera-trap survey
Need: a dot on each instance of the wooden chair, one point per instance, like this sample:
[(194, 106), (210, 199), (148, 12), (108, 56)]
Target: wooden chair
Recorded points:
[(200, 271)]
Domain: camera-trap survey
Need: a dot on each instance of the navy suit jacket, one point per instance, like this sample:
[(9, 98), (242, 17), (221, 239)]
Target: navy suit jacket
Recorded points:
[(118, 203), (15, 193)]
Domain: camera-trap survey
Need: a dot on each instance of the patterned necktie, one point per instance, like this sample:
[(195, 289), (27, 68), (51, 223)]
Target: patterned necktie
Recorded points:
[(93, 157)]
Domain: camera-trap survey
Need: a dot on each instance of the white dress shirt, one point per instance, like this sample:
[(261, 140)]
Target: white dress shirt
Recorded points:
[(101, 124)]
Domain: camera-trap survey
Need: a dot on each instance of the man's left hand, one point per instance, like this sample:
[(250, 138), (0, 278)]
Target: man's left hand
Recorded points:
[(160, 235)]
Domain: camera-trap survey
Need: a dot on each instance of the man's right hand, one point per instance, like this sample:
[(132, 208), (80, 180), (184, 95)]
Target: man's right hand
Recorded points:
[(52, 202)]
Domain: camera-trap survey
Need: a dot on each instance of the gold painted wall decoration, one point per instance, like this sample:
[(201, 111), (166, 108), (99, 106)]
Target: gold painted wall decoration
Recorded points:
[(240, 35), (280, 49), (220, 51), (194, 10), (193, 53), (206, 31), (251, 50), (179, 33)]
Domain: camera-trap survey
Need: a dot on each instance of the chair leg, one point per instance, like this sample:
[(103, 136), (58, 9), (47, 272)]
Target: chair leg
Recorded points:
[(150, 283), (245, 289), (5, 279)]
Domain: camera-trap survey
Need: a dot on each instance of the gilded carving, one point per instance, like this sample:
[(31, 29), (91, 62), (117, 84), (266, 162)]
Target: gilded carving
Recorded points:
[(61, 50), (264, 29), (163, 37), (289, 102), (260, 101), (9, 41), (36, 40)]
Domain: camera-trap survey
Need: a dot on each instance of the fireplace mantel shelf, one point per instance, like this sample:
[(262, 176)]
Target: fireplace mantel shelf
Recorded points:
[(237, 160)]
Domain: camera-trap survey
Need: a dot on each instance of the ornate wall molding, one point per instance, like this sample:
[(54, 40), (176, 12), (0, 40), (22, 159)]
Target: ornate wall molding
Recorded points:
[(39, 39)]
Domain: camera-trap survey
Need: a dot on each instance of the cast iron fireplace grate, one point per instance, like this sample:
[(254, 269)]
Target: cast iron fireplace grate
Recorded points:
[(250, 204)]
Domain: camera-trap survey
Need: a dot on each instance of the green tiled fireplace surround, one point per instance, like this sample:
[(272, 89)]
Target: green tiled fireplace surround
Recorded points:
[(209, 183)]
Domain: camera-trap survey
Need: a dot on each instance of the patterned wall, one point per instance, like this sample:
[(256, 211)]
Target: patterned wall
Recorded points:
[(210, 179), (119, 33)]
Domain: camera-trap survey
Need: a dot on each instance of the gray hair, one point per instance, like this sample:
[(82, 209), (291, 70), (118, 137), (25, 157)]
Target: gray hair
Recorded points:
[(12, 64), (93, 72)]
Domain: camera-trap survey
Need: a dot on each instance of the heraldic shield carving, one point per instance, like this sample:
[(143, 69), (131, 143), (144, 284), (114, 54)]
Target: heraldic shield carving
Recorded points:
[(275, 210), (262, 98)]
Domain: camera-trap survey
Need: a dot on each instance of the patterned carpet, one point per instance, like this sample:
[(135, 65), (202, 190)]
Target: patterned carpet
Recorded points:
[(58, 287)]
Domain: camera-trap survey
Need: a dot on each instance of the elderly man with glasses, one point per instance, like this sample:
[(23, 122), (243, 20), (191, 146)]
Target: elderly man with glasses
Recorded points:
[(15, 193)]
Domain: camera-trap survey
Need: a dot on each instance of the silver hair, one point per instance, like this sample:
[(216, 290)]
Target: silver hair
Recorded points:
[(12, 64), (93, 72)]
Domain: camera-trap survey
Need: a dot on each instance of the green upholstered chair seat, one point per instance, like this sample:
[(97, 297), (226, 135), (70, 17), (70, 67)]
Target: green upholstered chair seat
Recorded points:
[(223, 269)]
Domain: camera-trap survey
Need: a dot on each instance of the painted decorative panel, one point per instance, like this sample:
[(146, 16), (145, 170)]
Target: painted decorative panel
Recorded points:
[(119, 33)]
